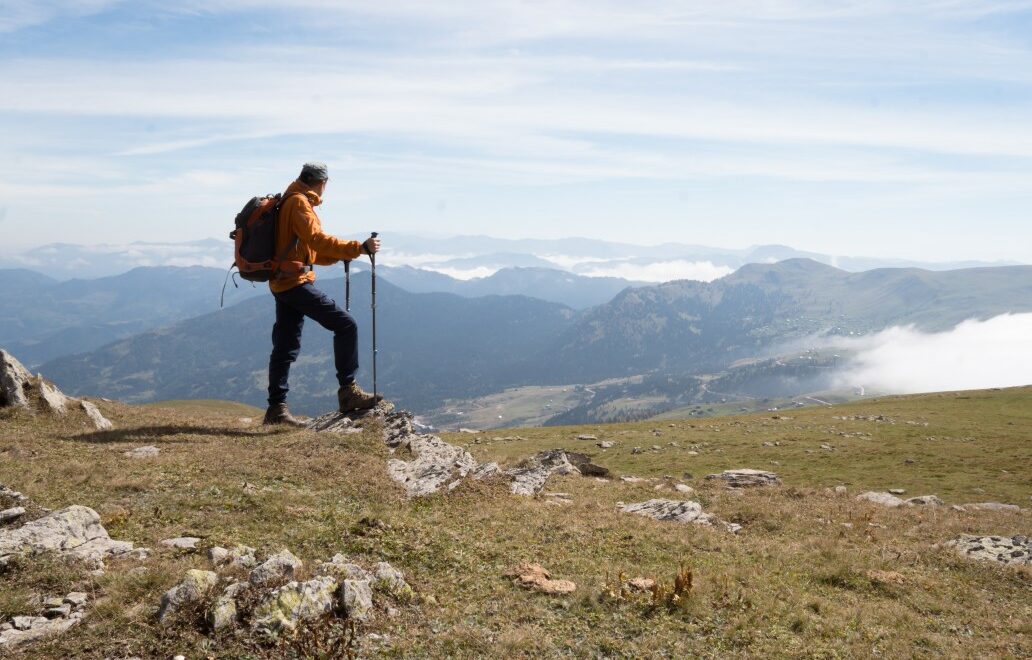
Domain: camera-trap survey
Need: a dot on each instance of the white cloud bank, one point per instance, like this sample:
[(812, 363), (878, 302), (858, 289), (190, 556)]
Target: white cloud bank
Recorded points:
[(974, 355), (660, 271)]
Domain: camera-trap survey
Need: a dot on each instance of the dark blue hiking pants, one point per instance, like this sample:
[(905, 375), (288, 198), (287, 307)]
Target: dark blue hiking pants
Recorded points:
[(292, 306)]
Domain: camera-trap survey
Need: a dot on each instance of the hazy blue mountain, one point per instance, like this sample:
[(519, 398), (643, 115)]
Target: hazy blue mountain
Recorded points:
[(45, 318), (576, 291), (432, 346), (437, 346), (693, 327)]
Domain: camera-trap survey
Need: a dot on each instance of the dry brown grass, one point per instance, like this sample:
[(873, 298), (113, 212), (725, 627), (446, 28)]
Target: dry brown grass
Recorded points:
[(803, 579)]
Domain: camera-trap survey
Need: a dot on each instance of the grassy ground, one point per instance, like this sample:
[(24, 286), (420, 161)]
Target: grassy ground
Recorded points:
[(801, 580)]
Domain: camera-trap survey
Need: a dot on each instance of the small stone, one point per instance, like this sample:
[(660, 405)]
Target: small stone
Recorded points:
[(827, 447), (357, 598), (606, 444), (76, 598), (746, 478), (637, 450), (223, 612), (925, 500), (392, 581), (840, 490), (148, 451), (585, 436), (182, 542), (23, 622), (281, 566), (7, 515), (194, 587), (56, 601), (641, 584), (884, 499), (897, 491), (218, 555), (61, 611), (684, 488)]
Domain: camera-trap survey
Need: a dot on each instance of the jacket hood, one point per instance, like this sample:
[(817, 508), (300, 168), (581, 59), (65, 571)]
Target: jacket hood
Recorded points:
[(298, 187)]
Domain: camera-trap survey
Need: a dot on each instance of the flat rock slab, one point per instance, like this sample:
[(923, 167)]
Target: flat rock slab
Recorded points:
[(40, 628), (73, 532), (435, 464), (992, 506), (671, 510), (882, 498), (293, 603), (148, 451), (1009, 550), (746, 478), (182, 542)]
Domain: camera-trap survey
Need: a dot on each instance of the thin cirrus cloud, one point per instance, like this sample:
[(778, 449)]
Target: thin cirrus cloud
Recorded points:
[(913, 106)]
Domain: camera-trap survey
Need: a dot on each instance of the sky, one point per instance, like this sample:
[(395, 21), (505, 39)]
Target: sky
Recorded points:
[(880, 128)]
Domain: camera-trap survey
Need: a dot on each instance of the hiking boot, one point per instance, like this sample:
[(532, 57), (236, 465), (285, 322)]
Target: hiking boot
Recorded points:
[(351, 397), (278, 414)]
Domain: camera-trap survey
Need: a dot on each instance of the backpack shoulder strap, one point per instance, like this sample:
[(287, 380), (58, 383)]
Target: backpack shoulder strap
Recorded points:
[(294, 243)]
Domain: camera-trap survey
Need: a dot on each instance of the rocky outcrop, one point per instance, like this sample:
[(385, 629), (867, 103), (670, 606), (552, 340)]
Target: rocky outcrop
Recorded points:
[(74, 532), (20, 389), (746, 478), (529, 477), (1009, 550), (15, 382), (268, 607), (424, 463)]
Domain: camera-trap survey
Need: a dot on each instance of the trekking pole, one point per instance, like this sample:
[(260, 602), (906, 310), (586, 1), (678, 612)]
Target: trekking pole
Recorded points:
[(372, 261), (347, 286)]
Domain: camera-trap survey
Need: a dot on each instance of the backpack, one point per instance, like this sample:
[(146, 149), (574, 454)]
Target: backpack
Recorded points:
[(255, 242)]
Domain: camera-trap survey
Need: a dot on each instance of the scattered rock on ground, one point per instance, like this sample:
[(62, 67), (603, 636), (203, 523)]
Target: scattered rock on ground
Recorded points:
[(293, 603), (884, 499), (148, 451), (357, 598), (925, 500), (672, 510), (100, 422), (585, 436), (9, 515), (992, 506), (1013, 550), (281, 566), (530, 476), (194, 587), (533, 576), (606, 444), (745, 478), (74, 532), (182, 542)]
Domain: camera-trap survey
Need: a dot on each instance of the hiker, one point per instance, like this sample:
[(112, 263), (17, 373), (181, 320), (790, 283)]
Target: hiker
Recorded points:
[(300, 238)]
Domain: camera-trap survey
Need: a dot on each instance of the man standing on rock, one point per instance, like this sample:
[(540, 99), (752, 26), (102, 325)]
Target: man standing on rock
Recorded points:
[(300, 237)]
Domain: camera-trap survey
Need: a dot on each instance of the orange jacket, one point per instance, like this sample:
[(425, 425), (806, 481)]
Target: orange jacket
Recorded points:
[(297, 219)]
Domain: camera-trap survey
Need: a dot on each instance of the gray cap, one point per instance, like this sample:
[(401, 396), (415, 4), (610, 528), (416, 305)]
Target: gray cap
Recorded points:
[(315, 171)]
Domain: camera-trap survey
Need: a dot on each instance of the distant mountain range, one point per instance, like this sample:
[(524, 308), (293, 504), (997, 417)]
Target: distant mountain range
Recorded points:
[(437, 346), (433, 346), (462, 256), (53, 318)]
